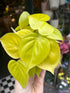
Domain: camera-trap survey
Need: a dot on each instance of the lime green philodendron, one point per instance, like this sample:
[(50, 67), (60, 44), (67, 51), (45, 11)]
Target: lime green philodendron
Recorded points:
[(34, 45)]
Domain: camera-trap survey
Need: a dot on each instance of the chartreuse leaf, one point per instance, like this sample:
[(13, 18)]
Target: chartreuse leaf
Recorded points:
[(34, 49), (45, 28), (56, 34), (50, 31), (40, 16), (23, 32), (33, 71), (17, 28), (36, 20), (10, 43), (28, 27), (38, 71), (35, 23), (53, 58), (19, 72), (23, 19)]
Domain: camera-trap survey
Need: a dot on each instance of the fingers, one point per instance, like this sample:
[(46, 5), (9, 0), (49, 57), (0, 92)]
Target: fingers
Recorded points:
[(18, 88), (42, 74)]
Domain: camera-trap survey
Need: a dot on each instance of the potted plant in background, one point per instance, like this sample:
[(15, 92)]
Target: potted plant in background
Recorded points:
[(33, 45)]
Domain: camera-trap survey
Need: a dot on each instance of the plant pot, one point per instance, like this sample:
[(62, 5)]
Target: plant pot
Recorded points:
[(54, 4), (62, 2), (48, 12), (54, 22)]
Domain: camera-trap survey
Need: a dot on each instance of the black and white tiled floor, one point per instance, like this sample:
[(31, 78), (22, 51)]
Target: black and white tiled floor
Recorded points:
[(7, 84)]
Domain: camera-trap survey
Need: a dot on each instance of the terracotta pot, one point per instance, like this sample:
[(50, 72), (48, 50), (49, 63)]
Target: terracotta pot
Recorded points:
[(54, 4)]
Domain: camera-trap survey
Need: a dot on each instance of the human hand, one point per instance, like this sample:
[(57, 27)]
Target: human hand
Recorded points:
[(35, 85)]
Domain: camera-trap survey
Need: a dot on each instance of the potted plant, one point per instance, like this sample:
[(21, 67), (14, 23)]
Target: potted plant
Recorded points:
[(33, 46)]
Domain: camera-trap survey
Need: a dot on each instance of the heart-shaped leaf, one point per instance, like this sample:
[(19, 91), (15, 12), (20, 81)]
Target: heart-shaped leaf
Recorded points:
[(18, 71), (34, 49), (45, 28), (10, 43), (50, 31), (36, 20), (53, 58), (23, 19)]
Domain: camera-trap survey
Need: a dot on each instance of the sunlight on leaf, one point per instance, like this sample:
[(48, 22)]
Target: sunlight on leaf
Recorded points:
[(10, 43), (18, 71), (23, 19), (34, 49)]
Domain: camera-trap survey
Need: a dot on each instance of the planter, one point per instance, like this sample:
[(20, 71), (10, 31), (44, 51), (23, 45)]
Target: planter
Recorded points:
[(48, 12), (62, 2), (54, 4), (54, 22)]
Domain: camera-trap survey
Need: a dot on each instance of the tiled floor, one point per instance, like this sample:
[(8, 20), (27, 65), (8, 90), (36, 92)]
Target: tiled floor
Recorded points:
[(7, 84)]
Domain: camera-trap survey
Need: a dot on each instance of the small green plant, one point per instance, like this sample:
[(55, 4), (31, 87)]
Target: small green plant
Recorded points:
[(34, 45)]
